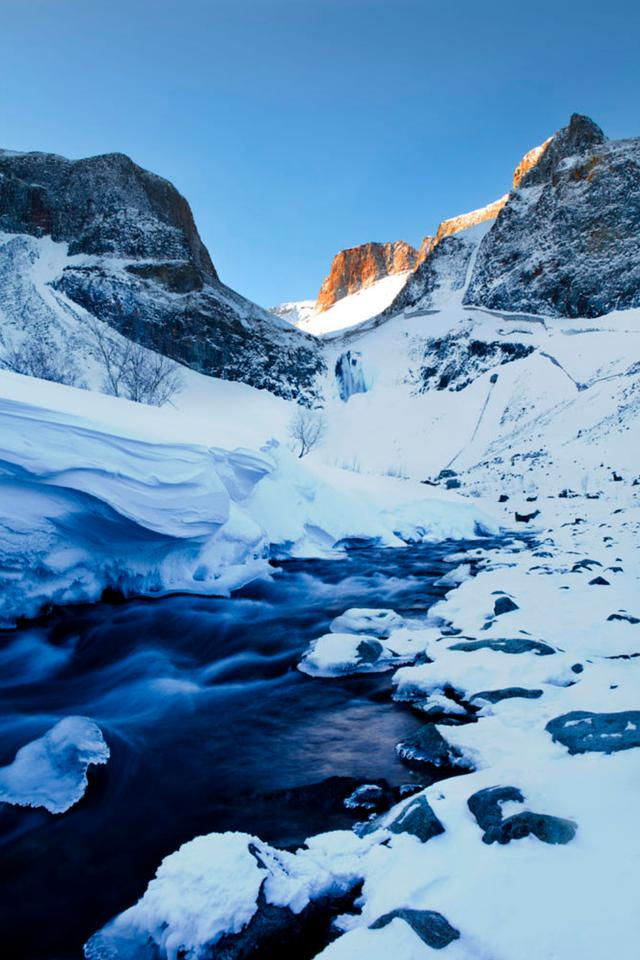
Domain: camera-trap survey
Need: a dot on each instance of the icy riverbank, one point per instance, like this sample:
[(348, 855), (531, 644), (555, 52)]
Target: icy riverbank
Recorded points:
[(95, 502), (533, 851)]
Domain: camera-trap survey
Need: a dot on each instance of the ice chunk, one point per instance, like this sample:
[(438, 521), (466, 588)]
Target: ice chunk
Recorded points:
[(51, 772)]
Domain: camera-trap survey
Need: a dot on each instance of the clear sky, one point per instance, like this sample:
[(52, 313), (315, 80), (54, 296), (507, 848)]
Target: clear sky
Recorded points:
[(298, 127)]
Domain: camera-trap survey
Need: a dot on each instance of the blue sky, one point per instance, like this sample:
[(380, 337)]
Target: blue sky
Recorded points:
[(298, 127)]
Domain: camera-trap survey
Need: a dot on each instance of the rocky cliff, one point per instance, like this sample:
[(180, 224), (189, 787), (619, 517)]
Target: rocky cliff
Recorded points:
[(566, 243), (134, 259), (359, 267)]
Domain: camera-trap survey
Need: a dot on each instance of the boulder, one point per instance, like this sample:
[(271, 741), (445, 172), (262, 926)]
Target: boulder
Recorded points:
[(581, 731)]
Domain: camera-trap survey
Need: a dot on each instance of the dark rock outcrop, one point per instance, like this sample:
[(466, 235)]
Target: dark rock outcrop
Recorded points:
[(504, 605), (513, 645), (565, 244), (136, 261), (432, 928), (584, 732), (416, 818), (454, 361), (506, 693), (486, 807), (441, 273)]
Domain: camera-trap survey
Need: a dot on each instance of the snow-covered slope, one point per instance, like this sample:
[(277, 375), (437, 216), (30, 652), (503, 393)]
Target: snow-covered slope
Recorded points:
[(347, 311), (296, 312), (551, 401)]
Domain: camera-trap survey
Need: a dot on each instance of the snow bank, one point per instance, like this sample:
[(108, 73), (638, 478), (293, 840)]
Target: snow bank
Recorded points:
[(339, 653), (90, 502), (51, 772), (82, 509), (210, 887)]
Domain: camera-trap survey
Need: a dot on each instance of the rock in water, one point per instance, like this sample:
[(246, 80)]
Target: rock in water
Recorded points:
[(428, 749)]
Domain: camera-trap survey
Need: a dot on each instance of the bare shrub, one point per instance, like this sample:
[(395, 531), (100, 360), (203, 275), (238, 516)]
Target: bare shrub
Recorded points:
[(38, 356), (130, 370), (307, 428)]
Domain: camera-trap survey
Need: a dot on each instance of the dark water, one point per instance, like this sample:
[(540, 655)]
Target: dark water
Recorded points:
[(210, 727)]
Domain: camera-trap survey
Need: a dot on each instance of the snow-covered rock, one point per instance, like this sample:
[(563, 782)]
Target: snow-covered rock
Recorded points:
[(51, 772), (215, 886), (335, 654)]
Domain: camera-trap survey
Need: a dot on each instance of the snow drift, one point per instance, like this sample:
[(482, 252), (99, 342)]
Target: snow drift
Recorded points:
[(51, 772), (87, 505)]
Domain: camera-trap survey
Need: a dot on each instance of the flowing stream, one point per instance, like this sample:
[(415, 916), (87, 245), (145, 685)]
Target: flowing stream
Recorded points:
[(210, 726)]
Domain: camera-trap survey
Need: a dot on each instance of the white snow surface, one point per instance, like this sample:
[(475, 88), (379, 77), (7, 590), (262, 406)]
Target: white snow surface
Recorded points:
[(92, 497), (51, 772), (346, 312), (210, 887)]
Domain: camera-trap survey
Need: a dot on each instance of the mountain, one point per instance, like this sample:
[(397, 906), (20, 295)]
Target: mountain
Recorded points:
[(359, 267), (505, 388), (566, 243), (562, 243), (103, 238), (395, 272), (362, 282)]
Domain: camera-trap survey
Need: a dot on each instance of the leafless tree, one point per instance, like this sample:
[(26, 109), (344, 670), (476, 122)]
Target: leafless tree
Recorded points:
[(307, 427), (39, 356), (130, 370)]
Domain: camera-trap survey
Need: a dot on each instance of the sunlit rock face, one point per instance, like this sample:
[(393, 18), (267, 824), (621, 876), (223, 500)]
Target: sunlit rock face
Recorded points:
[(359, 267), (566, 243), (530, 160), (463, 221), (135, 260)]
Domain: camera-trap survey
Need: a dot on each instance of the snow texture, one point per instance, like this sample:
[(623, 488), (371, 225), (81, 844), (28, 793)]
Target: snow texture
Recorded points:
[(88, 504)]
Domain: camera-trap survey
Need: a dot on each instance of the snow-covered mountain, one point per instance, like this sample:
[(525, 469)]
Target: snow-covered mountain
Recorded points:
[(102, 238), (379, 278), (361, 282), (348, 311), (566, 243), (359, 267)]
